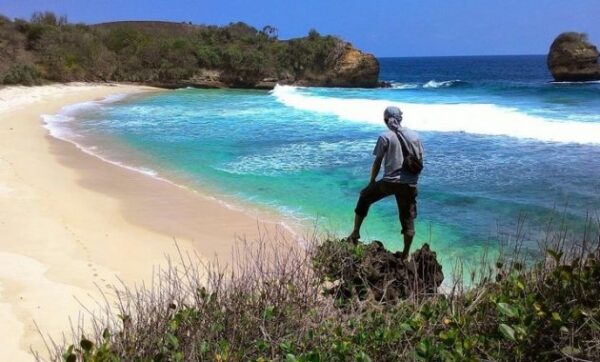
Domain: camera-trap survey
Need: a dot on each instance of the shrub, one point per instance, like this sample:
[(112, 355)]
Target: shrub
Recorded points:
[(271, 305), (21, 74), (162, 52)]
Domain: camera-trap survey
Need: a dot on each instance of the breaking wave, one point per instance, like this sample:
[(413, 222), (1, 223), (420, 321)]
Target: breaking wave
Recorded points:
[(445, 84), (432, 84), (479, 119)]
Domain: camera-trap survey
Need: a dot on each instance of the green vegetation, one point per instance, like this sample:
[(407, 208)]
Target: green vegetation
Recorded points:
[(287, 304), (48, 48)]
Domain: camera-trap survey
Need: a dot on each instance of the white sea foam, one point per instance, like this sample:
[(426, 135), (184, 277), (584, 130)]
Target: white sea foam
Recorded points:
[(396, 85), (297, 157), (442, 84), (429, 84), (57, 124), (58, 127), (480, 119), (584, 82)]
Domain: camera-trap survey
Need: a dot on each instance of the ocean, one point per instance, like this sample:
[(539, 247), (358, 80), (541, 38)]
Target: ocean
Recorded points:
[(507, 151)]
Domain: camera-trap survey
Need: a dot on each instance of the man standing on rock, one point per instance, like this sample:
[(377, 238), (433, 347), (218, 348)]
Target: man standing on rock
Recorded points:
[(401, 151)]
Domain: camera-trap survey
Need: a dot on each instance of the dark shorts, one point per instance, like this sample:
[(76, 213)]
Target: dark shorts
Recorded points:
[(406, 199)]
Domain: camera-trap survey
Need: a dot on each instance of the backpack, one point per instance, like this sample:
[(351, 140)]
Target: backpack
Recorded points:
[(411, 162)]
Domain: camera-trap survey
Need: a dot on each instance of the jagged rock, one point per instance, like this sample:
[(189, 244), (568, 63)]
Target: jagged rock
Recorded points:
[(355, 69), (573, 59), (428, 269), (370, 271), (350, 67)]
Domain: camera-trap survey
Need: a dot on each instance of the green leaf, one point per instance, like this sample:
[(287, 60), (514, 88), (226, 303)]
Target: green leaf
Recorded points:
[(508, 310), (507, 331), (362, 357), (312, 356), (286, 346), (173, 341), (556, 256), (520, 330), (556, 317), (423, 348), (269, 312), (405, 327), (68, 355), (290, 358), (203, 348), (570, 351)]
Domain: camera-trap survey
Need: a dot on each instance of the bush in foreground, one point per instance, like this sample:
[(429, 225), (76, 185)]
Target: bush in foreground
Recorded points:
[(287, 304)]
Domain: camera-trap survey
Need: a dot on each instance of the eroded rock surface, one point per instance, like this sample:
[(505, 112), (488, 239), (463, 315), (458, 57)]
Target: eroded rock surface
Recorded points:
[(349, 67), (572, 58), (370, 271)]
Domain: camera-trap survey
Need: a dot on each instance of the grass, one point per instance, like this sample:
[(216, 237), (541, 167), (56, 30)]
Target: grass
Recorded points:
[(283, 303)]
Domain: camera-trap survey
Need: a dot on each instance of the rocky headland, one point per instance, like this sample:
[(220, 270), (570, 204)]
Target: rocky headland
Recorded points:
[(572, 58), (48, 48)]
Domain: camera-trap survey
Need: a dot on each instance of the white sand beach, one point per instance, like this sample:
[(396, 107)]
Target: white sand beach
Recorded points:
[(71, 224)]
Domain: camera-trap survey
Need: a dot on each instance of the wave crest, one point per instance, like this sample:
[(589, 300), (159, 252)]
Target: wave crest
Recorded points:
[(432, 84), (445, 84), (479, 119)]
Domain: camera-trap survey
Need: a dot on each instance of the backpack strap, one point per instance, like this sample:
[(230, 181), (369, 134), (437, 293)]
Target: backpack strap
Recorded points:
[(403, 143)]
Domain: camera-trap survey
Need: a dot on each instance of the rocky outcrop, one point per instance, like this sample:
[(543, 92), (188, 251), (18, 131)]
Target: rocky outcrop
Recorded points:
[(573, 59), (348, 67), (372, 272)]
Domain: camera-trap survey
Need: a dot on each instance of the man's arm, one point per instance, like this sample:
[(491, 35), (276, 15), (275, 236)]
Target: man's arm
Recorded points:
[(375, 168)]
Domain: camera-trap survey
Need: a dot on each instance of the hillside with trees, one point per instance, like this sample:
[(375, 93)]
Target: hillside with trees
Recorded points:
[(48, 48)]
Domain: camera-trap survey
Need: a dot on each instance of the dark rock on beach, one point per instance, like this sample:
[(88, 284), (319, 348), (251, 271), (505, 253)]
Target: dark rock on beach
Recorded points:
[(572, 58), (370, 271)]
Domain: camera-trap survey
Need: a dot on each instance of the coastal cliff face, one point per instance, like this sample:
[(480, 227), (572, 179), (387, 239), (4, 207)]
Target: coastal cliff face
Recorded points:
[(351, 68), (345, 66), (573, 59), (174, 55)]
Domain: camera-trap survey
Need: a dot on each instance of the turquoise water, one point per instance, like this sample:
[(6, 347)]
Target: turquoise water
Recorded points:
[(501, 141)]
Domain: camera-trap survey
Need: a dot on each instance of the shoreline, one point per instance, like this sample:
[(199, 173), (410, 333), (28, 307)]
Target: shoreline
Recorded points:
[(142, 164), (74, 224)]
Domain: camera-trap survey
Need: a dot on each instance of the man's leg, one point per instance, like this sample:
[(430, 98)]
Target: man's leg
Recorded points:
[(406, 199), (355, 234), (368, 196), (407, 243)]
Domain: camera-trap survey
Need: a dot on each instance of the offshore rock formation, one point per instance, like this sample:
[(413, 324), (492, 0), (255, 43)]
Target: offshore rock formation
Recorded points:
[(372, 272), (573, 59)]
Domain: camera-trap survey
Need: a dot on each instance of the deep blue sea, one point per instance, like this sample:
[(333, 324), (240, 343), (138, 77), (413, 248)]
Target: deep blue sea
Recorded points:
[(502, 144)]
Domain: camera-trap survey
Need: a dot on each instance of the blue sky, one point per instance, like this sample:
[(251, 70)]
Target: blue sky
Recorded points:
[(384, 27)]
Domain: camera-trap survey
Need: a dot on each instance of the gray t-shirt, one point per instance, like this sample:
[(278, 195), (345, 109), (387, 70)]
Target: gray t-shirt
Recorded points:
[(388, 146)]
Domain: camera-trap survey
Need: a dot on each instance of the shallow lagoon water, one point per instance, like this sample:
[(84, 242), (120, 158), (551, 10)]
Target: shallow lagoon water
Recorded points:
[(501, 142)]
